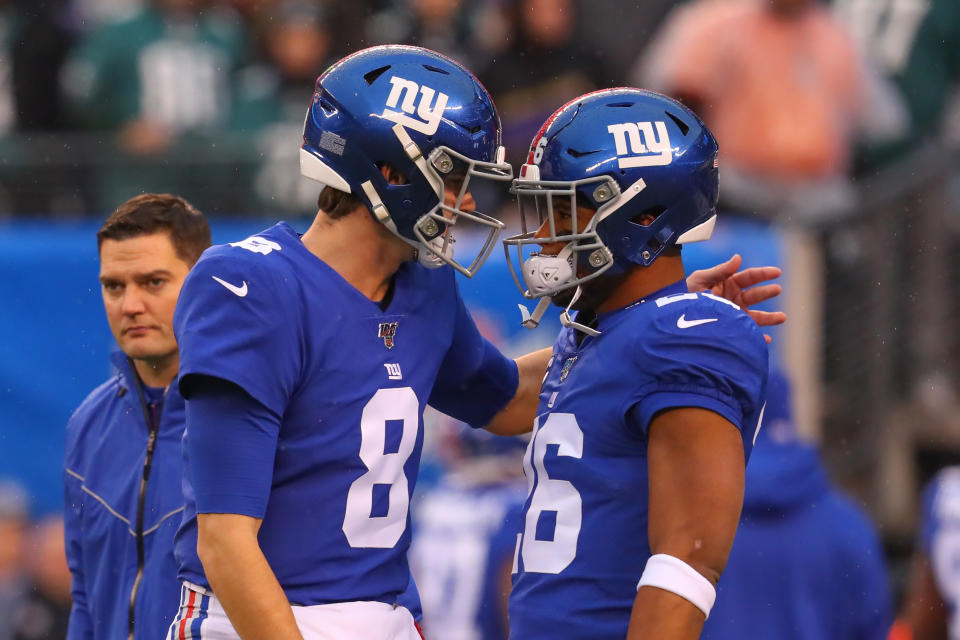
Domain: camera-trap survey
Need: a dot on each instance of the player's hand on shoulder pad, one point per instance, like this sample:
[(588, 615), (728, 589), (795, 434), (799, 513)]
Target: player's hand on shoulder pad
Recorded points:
[(743, 288)]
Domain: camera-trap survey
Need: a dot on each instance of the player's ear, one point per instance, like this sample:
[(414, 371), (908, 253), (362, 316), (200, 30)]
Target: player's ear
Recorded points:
[(644, 219), (392, 175)]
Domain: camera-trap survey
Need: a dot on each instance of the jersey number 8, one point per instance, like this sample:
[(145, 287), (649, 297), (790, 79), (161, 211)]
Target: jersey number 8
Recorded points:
[(362, 529)]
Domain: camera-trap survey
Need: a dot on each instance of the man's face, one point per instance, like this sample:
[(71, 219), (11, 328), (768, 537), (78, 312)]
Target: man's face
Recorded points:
[(298, 50), (452, 184), (548, 23), (140, 279), (593, 292), (563, 225)]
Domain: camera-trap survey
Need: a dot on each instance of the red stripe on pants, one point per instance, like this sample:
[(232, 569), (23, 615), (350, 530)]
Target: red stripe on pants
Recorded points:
[(183, 623)]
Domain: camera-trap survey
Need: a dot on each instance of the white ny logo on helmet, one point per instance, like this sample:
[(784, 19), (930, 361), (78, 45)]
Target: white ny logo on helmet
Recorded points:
[(650, 150), (430, 116)]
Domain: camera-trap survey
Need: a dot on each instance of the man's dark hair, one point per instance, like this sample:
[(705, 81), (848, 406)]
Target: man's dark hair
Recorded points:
[(151, 213), (336, 203)]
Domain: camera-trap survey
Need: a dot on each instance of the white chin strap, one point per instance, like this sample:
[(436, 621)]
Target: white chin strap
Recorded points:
[(439, 246), (542, 274), (567, 321), (532, 320)]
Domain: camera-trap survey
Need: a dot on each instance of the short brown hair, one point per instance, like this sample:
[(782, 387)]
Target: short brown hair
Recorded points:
[(155, 212), (336, 204)]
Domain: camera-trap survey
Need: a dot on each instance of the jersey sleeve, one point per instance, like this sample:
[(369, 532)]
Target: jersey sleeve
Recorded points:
[(475, 380), (235, 479), (719, 365), (233, 321)]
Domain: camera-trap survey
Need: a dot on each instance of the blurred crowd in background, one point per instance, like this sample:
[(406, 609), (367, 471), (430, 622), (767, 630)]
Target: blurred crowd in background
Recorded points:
[(838, 124), (207, 96), (34, 579)]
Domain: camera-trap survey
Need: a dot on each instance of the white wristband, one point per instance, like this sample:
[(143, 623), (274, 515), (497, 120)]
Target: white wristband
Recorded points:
[(676, 576)]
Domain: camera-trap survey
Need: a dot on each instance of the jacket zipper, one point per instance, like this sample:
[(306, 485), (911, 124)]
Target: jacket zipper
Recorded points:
[(153, 427)]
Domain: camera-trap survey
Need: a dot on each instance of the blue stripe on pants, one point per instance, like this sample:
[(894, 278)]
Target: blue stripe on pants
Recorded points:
[(199, 616)]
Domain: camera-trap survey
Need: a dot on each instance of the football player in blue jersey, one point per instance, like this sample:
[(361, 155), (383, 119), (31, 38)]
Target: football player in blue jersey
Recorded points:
[(314, 356), (653, 395), (306, 361)]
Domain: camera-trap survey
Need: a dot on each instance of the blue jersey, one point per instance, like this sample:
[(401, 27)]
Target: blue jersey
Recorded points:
[(584, 541), (348, 382), (940, 540), (463, 541)]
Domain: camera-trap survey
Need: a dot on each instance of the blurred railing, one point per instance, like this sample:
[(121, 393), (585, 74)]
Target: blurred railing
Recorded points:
[(891, 414), (62, 174)]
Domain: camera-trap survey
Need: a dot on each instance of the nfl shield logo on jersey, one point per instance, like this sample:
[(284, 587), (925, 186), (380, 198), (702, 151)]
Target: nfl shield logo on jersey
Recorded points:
[(567, 365), (387, 331)]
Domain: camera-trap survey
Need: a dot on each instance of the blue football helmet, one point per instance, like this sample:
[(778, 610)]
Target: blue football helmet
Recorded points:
[(622, 153), (425, 116)]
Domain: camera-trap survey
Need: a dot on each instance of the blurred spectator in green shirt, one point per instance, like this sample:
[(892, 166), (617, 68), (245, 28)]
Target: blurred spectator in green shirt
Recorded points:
[(917, 44), (165, 71)]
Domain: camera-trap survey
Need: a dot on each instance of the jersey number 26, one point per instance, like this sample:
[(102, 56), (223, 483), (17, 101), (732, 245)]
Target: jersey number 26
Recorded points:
[(550, 494)]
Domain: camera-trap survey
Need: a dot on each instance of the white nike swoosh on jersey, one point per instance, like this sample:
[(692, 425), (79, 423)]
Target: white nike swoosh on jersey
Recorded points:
[(683, 323), (240, 291)]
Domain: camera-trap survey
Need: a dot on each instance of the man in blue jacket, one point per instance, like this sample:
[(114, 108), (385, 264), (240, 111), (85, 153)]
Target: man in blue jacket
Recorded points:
[(806, 563), (123, 467)]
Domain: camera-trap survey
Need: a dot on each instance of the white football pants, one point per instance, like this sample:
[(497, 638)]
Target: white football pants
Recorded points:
[(202, 617)]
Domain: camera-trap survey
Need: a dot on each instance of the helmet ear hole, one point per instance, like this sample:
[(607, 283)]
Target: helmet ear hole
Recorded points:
[(391, 175), (646, 217), (326, 106)]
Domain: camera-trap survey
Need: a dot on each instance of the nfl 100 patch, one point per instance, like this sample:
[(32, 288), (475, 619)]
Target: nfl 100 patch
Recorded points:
[(567, 365), (388, 332)]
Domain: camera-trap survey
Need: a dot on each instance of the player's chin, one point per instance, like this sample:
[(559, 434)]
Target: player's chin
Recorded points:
[(563, 297)]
